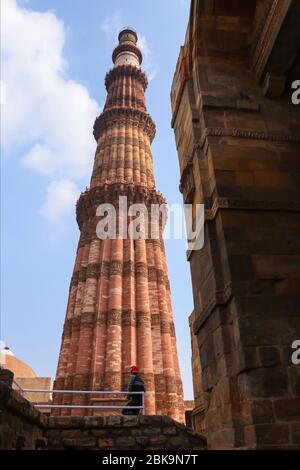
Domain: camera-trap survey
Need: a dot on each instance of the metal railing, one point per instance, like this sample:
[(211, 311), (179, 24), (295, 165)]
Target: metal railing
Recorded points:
[(19, 387), (84, 392)]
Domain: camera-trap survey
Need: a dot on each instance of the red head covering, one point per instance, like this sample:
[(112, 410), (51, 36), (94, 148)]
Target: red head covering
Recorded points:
[(134, 370)]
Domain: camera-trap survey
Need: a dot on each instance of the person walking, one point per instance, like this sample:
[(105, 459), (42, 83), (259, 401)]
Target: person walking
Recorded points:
[(135, 384)]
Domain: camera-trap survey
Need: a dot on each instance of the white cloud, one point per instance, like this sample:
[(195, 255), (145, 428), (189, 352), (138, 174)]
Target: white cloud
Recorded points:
[(111, 27), (60, 199), (149, 66), (45, 112)]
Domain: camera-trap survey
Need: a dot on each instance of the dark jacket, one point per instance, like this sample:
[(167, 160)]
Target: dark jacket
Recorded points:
[(135, 384)]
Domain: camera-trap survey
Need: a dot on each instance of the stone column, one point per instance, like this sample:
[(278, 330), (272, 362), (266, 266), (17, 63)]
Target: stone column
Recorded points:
[(128, 312), (118, 311), (143, 320), (114, 337)]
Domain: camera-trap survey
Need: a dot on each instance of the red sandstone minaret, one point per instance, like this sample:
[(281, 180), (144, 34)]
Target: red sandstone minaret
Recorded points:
[(119, 310)]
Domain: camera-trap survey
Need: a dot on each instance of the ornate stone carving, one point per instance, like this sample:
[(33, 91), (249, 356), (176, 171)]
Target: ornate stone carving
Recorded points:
[(116, 268), (141, 269), (109, 192), (124, 116), (248, 134), (82, 274), (143, 318), (114, 317), (75, 322), (165, 326), (88, 318), (155, 319), (128, 268), (93, 270), (152, 273), (128, 318), (243, 204), (105, 269)]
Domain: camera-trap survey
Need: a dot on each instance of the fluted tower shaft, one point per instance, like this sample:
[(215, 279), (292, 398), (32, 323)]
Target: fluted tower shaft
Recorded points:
[(119, 310)]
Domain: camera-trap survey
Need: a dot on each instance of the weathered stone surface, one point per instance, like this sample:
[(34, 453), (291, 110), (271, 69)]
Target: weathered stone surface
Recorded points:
[(142, 441), (238, 154), (69, 443), (150, 431), (158, 441), (6, 376), (129, 421), (272, 435), (19, 431), (99, 432), (112, 421), (295, 380), (95, 422), (41, 443), (264, 382), (262, 411), (287, 409), (269, 356), (127, 442), (21, 426), (105, 443), (170, 431), (66, 422), (296, 433)]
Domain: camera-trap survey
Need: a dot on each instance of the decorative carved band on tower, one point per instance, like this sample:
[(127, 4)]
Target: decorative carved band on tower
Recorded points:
[(119, 309)]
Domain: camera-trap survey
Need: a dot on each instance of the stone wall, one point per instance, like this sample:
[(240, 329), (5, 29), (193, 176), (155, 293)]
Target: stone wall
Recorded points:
[(121, 433), (36, 383), (23, 427), (198, 422), (237, 135)]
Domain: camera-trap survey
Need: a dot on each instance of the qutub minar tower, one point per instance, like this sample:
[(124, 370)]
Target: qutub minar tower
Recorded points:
[(119, 309)]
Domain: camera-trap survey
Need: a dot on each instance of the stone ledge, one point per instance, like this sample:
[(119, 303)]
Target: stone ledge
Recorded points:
[(121, 433), (24, 427), (13, 401)]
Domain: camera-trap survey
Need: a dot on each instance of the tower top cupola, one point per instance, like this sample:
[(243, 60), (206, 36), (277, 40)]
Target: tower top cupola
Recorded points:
[(127, 52)]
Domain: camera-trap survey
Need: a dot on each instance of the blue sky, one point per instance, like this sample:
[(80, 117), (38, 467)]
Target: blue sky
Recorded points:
[(55, 54)]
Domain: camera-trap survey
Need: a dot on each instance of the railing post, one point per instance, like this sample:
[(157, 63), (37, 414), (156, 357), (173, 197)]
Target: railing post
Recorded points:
[(143, 403), (22, 392)]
